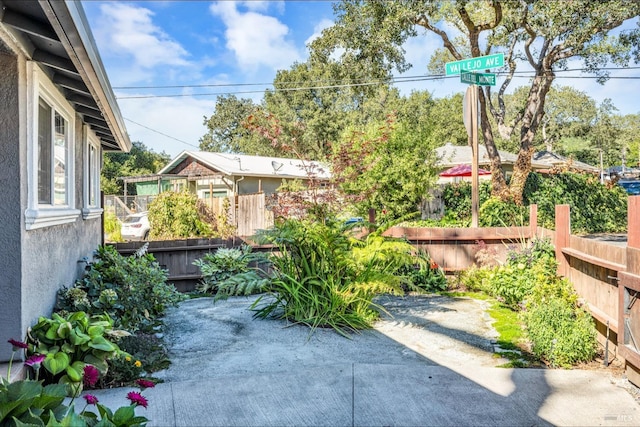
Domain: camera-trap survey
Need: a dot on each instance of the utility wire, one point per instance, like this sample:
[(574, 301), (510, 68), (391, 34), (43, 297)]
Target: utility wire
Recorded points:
[(332, 81), (160, 133)]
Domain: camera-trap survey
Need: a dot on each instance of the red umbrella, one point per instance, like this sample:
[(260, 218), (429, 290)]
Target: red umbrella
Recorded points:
[(462, 170)]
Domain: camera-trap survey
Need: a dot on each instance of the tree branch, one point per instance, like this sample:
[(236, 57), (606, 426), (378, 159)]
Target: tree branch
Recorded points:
[(423, 21)]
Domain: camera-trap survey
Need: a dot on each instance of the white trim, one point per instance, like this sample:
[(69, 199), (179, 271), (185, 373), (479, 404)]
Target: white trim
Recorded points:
[(91, 211), (43, 215)]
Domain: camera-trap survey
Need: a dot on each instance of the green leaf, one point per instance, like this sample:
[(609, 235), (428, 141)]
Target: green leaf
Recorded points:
[(123, 415), (100, 364), (95, 330), (75, 371), (100, 343), (77, 337), (73, 420), (56, 362), (64, 329)]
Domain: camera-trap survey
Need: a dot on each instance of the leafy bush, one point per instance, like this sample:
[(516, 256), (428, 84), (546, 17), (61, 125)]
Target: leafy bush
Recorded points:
[(320, 280), (595, 208), (180, 215), (228, 272), (112, 227), (30, 403), (456, 197), (70, 342), (497, 213), (131, 290), (560, 332), (424, 275)]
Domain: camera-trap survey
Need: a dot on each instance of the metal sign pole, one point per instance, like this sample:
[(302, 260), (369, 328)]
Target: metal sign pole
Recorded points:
[(474, 165)]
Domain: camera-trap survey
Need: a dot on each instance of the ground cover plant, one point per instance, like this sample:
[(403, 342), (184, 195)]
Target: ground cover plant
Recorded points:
[(232, 271), (29, 402), (561, 332)]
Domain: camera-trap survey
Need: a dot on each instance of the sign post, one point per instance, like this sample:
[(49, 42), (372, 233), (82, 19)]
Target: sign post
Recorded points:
[(470, 110)]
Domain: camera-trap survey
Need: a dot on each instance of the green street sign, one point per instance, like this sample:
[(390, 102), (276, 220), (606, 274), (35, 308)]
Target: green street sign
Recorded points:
[(479, 63), (480, 79)]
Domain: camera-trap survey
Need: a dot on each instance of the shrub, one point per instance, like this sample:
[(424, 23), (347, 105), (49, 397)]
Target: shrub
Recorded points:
[(180, 215), (131, 290), (70, 342), (228, 272), (320, 280), (497, 213), (560, 332), (595, 208), (112, 227), (424, 274)]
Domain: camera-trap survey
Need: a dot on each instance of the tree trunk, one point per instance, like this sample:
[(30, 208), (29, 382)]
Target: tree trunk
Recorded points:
[(498, 182), (530, 122)]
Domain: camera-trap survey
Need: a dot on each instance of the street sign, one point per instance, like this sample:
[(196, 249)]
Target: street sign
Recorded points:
[(478, 63), (480, 79)]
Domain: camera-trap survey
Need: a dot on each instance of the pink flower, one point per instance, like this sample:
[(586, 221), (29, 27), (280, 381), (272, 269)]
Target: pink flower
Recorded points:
[(137, 399), (91, 399), (142, 383), (17, 345), (35, 360), (91, 375)]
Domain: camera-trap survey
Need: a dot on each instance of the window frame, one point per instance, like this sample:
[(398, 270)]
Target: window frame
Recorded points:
[(91, 176), (39, 215)]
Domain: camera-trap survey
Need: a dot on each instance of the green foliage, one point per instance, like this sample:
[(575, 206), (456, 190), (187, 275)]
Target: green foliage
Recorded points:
[(422, 274), (495, 212), (180, 215), (131, 290), (386, 166), (112, 227), (72, 341), (321, 280), (123, 371), (29, 403), (560, 332), (228, 272), (139, 161), (595, 208)]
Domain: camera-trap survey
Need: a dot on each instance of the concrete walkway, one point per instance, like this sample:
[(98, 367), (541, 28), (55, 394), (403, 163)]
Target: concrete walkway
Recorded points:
[(432, 363)]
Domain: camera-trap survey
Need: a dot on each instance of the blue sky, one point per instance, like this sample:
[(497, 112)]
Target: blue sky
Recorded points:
[(186, 43)]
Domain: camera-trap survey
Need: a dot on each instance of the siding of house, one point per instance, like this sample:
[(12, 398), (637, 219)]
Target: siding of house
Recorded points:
[(11, 153), (35, 263)]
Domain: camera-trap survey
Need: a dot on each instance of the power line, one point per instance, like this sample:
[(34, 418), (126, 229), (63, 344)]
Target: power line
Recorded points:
[(160, 133), (394, 80), (398, 78)]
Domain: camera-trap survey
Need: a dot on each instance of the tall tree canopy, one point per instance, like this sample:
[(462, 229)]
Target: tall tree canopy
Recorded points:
[(535, 36)]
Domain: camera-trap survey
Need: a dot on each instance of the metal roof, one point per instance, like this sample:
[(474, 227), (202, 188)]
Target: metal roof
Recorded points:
[(56, 34), (243, 165), (451, 155)]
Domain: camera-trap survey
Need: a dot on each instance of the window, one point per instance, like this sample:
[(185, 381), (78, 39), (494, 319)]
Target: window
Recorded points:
[(50, 152), (91, 208)]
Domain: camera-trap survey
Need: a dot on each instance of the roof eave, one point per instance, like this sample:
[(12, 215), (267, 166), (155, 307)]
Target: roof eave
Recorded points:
[(70, 23)]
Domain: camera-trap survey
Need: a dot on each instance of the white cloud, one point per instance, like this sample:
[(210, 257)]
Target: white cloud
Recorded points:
[(129, 30), (256, 39), (179, 118)]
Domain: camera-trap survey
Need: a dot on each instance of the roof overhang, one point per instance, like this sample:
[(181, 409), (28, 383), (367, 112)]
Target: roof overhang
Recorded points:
[(56, 34)]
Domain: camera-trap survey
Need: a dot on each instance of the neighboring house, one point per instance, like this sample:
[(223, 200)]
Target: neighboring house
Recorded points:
[(58, 114), (450, 155), (552, 159), (226, 175)]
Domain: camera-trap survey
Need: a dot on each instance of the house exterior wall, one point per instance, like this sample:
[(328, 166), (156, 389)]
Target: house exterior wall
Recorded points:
[(251, 185), (34, 263), (11, 154)]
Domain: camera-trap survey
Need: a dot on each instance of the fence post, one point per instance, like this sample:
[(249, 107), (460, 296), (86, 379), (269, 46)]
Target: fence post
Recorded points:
[(563, 234), (533, 221)]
